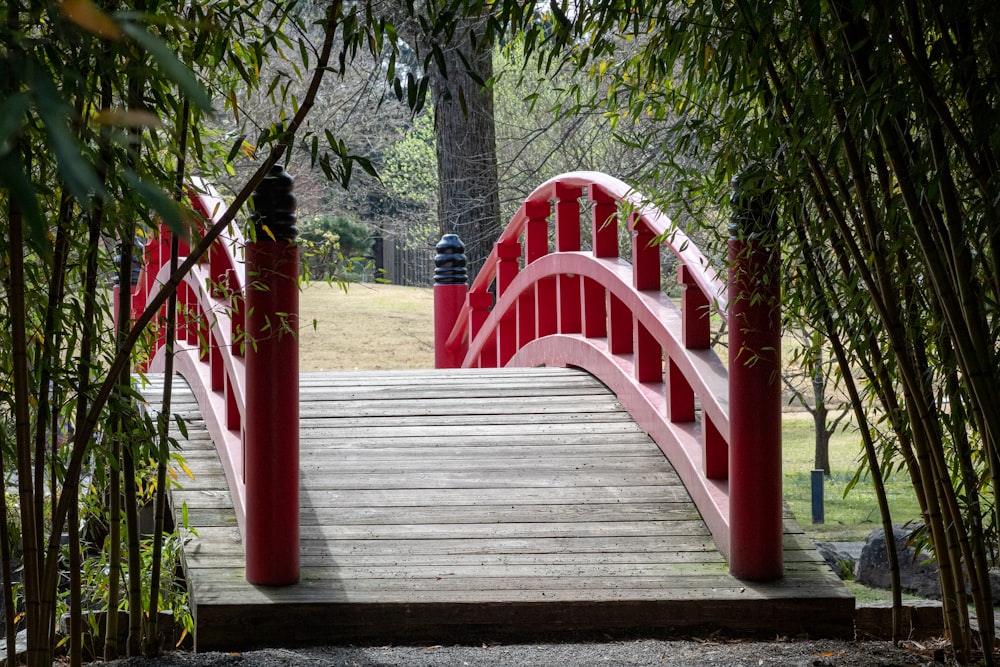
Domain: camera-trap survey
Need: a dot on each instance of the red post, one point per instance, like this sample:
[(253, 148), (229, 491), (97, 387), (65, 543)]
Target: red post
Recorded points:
[(271, 424), (645, 255), (451, 284), (536, 245), (480, 303), (508, 254), (604, 222), (569, 292), (696, 323), (754, 386)]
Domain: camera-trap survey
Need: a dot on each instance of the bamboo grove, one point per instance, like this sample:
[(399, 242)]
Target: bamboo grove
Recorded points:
[(105, 111)]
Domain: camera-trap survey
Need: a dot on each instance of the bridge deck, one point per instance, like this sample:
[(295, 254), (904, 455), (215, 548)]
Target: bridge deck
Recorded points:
[(445, 506)]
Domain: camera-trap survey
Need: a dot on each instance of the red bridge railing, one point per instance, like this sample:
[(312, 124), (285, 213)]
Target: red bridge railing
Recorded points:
[(236, 346), (542, 300)]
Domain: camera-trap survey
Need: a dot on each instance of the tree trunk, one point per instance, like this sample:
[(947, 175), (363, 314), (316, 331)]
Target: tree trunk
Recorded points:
[(468, 197)]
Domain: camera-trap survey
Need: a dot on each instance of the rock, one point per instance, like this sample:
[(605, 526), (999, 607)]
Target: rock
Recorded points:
[(918, 573), (840, 556)]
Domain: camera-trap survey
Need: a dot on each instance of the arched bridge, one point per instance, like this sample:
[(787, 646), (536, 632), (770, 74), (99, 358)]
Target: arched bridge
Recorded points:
[(581, 461)]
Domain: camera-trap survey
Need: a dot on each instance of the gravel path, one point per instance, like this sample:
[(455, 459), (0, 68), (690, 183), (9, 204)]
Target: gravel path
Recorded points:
[(817, 653)]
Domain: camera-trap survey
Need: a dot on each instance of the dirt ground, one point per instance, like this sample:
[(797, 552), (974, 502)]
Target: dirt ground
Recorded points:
[(784, 653)]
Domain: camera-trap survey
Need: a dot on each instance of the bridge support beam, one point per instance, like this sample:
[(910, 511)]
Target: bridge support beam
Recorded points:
[(451, 285), (271, 424), (754, 385)]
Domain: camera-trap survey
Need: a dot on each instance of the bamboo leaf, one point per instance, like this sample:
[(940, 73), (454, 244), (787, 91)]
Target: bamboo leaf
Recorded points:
[(166, 58), (158, 200), (88, 16), (15, 180)]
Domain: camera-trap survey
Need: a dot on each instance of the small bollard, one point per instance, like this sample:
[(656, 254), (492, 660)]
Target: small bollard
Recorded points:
[(817, 496)]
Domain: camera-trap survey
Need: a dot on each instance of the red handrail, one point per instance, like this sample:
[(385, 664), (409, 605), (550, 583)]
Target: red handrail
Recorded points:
[(209, 346)]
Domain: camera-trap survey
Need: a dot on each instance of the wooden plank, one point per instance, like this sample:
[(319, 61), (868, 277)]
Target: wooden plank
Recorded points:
[(424, 513)]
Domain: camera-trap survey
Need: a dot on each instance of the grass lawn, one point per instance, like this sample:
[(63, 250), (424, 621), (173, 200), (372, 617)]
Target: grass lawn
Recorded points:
[(388, 326), (375, 327), (848, 518)]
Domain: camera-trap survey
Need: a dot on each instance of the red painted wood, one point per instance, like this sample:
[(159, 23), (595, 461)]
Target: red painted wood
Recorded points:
[(604, 222), (697, 325), (237, 323), (448, 303), (546, 307), (681, 443), (703, 372), (680, 395), (755, 412), (567, 198), (645, 255), (619, 326), (223, 311), (648, 355), (525, 318), (271, 433), (217, 363), (509, 255), (570, 304), (234, 419), (536, 230), (595, 309), (716, 452), (480, 303)]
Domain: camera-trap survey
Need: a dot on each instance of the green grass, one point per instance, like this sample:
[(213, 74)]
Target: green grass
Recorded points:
[(848, 518)]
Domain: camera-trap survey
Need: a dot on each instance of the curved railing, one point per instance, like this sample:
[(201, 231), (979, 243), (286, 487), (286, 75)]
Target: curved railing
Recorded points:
[(530, 306), (208, 350)]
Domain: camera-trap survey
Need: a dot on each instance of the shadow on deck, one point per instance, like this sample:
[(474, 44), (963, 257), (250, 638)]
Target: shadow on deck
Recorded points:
[(467, 506)]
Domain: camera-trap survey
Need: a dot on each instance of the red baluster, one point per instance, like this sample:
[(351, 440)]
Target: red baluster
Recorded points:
[(648, 355), (645, 255), (536, 245), (680, 395), (619, 326), (696, 321), (508, 253), (480, 302), (604, 222), (570, 295), (595, 309)]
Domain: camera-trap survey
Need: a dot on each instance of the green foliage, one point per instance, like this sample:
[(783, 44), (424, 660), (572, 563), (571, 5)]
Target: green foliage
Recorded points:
[(335, 248)]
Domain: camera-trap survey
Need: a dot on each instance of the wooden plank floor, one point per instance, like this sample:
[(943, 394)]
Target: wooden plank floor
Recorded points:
[(516, 504)]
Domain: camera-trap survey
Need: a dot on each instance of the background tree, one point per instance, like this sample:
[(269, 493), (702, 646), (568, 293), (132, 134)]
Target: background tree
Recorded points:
[(807, 378)]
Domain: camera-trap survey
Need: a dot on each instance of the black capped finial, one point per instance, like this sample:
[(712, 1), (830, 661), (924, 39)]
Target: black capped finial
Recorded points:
[(752, 200), (274, 206), (450, 261)]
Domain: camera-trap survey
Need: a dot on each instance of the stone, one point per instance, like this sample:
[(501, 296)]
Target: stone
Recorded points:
[(840, 556), (918, 573)]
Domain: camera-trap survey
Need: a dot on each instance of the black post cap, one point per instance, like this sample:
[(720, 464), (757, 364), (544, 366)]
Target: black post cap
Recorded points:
[(450, 261), (752, 200), (274, 206)]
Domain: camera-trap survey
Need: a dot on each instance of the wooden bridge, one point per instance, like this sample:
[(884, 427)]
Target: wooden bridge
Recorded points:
[(577, 478)]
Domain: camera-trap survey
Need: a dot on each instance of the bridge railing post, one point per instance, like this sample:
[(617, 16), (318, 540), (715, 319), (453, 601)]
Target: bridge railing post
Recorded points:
[(271, 421), (754, 385), (451, 284)]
